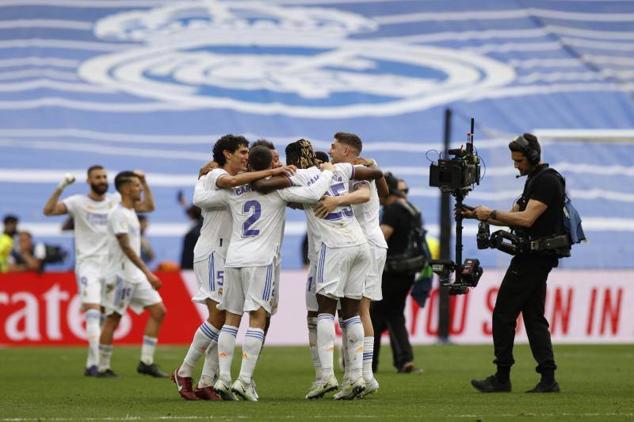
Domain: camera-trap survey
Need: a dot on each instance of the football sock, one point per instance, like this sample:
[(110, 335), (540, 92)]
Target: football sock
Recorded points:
[(226, 345), (210, 366), (368, 352), (353, 330), (105, 353), (250, 351), (344, 347), (147, 350), (326, 344), (312, 344), (204, 335), (93, 330)]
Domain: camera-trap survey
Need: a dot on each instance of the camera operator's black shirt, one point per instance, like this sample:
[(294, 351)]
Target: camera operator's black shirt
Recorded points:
[(546, 187), (400, 219)]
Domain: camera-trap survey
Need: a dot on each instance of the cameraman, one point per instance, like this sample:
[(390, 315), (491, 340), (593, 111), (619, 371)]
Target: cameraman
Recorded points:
[(539, 214)]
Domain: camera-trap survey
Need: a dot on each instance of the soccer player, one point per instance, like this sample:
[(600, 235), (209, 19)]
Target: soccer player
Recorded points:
[(339, 272), (230, 154), (129, 282), (364, 199), (258, 221), (89, 213)]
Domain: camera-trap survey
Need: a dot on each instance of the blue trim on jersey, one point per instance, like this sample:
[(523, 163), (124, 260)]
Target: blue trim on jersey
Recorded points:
[(310, 284), (320, 265), (212, 273), (268, 283)]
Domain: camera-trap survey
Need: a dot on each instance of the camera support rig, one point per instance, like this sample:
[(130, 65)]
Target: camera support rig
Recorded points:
[(457, 176)]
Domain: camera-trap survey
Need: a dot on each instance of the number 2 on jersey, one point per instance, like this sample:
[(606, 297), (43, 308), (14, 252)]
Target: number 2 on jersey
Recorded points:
[(247, 231)]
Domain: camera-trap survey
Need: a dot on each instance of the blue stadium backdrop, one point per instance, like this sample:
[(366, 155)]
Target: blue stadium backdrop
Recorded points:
[(151, 84)]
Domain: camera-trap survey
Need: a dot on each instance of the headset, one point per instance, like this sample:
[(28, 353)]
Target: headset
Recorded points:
[(532, 154)]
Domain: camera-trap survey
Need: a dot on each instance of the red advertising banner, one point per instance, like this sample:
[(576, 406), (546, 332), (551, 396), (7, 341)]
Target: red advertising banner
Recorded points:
[(582, 306), (44, 309)]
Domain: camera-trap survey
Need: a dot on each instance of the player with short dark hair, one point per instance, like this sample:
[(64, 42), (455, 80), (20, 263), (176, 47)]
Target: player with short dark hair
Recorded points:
[(129, 282), (90, 215)]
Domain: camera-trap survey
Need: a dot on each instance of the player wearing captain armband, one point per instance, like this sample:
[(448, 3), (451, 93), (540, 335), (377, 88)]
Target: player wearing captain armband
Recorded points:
[(228, 169), (258, 222), (90, 213)]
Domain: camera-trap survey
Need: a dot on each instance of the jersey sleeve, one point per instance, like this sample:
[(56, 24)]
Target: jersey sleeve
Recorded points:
[(303, 177), (310, 193), (346, 169), (214, 175), (547, 190), (71, 204), (118, 223), (206, 194)]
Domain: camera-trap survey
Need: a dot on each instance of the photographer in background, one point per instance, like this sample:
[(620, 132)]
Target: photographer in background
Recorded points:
[(401, 222), (27, 256), (538, 213)]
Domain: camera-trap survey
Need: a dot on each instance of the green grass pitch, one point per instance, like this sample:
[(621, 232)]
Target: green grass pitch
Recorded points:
[(47, 384)]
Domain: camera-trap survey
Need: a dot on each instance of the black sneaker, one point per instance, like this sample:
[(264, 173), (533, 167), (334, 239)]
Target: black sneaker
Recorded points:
[(542, 387), (492, 385), (91, 371), (151, 370), (108, 373)]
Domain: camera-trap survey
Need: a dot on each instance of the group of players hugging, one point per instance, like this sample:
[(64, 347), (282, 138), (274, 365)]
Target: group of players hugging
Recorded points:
[(243, 194)]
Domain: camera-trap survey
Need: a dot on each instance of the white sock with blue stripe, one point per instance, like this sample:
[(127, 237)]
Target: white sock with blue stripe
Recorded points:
[(326, 344), (354, 353), (93, 329), (203, 337), (368, 354), (147, 350), (250, 352), (226, 346)]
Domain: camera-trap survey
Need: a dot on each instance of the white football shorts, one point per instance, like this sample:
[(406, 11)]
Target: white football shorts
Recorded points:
[(90, 279), (341, 272), (372, 289), (122, 294), (248, 288), (210, 277)]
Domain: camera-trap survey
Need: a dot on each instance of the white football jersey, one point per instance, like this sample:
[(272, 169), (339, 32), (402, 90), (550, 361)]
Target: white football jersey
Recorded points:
[(90, 219), (258, 220), (306, 177), (122, 220), (367, 214), (215, 233), (339, 228)]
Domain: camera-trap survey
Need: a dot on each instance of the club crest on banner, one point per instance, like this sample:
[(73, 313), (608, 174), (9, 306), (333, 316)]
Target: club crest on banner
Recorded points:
[(260, 58)]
